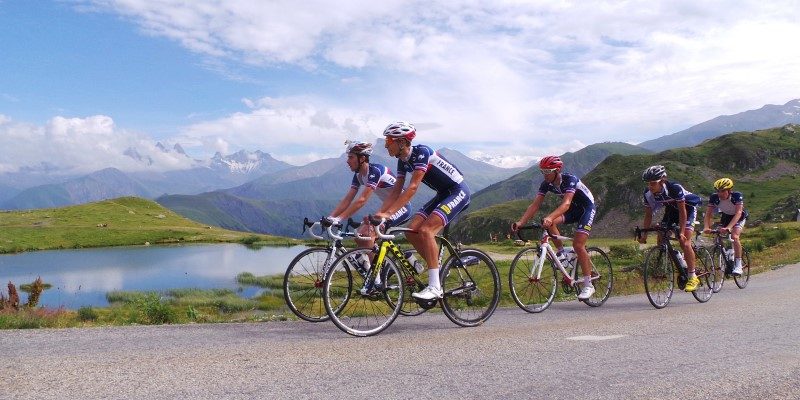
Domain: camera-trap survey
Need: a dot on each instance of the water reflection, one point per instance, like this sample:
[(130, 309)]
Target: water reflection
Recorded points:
[(82, 277)]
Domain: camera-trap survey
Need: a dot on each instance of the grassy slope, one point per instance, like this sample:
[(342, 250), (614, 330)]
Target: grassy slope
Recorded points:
[(129, 221)]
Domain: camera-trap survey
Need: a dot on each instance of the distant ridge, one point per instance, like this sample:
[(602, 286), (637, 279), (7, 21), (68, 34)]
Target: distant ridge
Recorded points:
[(768, 116)]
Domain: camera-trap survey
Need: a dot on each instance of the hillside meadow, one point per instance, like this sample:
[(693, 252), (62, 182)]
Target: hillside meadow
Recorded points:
[(125, 221)]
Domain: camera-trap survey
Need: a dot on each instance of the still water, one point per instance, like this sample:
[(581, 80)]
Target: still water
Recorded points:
[(82, 277)]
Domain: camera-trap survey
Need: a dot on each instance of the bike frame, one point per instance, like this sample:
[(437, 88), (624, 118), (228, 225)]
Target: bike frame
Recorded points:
[(568, 277)]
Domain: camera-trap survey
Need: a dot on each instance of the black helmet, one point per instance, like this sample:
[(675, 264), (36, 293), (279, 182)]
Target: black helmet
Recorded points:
[(654, 173)]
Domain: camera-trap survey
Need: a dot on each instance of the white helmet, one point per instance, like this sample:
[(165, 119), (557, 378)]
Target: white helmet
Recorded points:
[(359, 148), (401, 129)]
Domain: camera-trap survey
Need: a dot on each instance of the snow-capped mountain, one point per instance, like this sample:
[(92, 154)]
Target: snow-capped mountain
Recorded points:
[(243, 162)]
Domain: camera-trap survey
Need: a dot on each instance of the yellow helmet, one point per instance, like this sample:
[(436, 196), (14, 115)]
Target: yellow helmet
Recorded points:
[(723, 184)]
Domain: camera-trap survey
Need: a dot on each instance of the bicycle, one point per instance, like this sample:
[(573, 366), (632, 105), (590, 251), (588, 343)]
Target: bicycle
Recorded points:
[(469, 277), (662, 264), (533, 286), (302, 282), (724, 256)]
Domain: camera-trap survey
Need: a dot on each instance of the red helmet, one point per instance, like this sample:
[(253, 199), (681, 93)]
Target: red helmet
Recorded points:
[(551, 162)]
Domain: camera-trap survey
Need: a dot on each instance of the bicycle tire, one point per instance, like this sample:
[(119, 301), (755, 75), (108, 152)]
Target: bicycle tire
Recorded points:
[(744, 278), (531, 294), (659, 277), (360, 314), (471, 290), (601, 265), (705, 270), (719, 259), (302, 283)]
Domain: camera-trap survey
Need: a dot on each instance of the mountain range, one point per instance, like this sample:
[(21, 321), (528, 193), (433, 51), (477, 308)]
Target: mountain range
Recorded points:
[(765, 167)]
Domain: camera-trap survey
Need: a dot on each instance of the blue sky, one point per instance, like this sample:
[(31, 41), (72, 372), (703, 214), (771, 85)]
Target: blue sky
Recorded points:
[(81, 81)]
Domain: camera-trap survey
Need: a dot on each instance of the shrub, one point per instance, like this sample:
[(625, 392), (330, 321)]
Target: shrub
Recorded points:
[(624, 251), (155, 311), (249, 240), (87, 313)]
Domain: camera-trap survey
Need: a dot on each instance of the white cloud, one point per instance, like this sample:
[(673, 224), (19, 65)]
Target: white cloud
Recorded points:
[(540, 72), (79, 145)]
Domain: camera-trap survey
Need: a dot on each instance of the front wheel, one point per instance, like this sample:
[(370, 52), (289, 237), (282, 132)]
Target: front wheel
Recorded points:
[(302, 283), (705, 269), (602, 277), (719, 272), (659, 279), (741, 280), (354, 303), (471, 286), (531, 290)]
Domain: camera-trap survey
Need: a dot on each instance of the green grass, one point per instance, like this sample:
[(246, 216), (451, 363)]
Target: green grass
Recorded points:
[(118, 222), (771, 246)]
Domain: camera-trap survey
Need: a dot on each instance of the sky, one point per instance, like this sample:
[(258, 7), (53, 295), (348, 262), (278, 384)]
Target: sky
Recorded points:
[(502, 81)]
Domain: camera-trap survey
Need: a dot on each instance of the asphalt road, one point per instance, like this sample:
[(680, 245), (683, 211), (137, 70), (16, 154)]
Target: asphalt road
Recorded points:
[(742, 344)]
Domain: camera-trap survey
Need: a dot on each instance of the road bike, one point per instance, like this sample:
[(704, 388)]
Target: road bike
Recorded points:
[(356, 305), (533, 285), (302, 282), (723, 258), (664, 266)]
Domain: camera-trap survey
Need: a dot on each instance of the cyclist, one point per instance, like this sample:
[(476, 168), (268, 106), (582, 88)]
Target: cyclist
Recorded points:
[(452, 196), (375, 178), (731, 205), (577, 206), (680, 207)]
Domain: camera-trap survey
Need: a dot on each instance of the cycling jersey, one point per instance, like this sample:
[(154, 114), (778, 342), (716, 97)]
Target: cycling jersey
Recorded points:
[(570, 184), (670, 195), (379, 178), (440, 174), (728, 206), (582, 207)]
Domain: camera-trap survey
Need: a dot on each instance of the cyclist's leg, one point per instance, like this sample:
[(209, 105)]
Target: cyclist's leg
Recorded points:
[(736, 233)]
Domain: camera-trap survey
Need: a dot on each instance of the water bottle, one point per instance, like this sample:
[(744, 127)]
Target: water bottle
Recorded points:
[(730, 254), (571, 255), (681, 260), (729, 257), (409, 255)]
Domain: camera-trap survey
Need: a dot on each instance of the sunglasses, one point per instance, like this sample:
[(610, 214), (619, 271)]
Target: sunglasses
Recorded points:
[(546, 171)]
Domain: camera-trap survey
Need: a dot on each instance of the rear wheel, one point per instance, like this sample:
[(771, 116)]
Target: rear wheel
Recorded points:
[(602, 277), (705, 269), (362, 312), (532, 291), (659, 279), (471, 286), (741, 280), (302, 283)]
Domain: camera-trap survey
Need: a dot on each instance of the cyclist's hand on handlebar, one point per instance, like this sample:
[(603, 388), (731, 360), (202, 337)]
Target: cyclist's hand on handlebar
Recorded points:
[(547, 222), (642, 238), (377, 219), (515, 226), (328, 221)]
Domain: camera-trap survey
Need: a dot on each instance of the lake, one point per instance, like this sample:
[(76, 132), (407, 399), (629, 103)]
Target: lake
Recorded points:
[(82, 277)]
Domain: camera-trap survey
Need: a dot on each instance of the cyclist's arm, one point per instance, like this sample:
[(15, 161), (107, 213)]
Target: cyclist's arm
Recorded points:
[(707, 218), (346, 200), (648, 219), (404, 197), (356, 205), (531, 210), (560, 210)]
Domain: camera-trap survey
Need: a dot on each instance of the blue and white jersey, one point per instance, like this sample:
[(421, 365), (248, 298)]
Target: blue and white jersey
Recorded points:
[(569, 184), (670, 195), (379, 178), (440, 174), (728, 206)]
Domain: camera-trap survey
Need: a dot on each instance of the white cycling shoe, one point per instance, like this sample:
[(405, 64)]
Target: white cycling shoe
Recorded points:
[(586, 293), (429, 293)]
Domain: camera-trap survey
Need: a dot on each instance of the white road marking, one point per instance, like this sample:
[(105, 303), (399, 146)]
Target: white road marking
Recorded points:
[(593, 338)]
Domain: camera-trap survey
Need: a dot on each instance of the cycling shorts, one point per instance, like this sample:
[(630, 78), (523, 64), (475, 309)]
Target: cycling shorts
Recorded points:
[(726, 219), (447, 203), (671, 216), (583, 216)]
